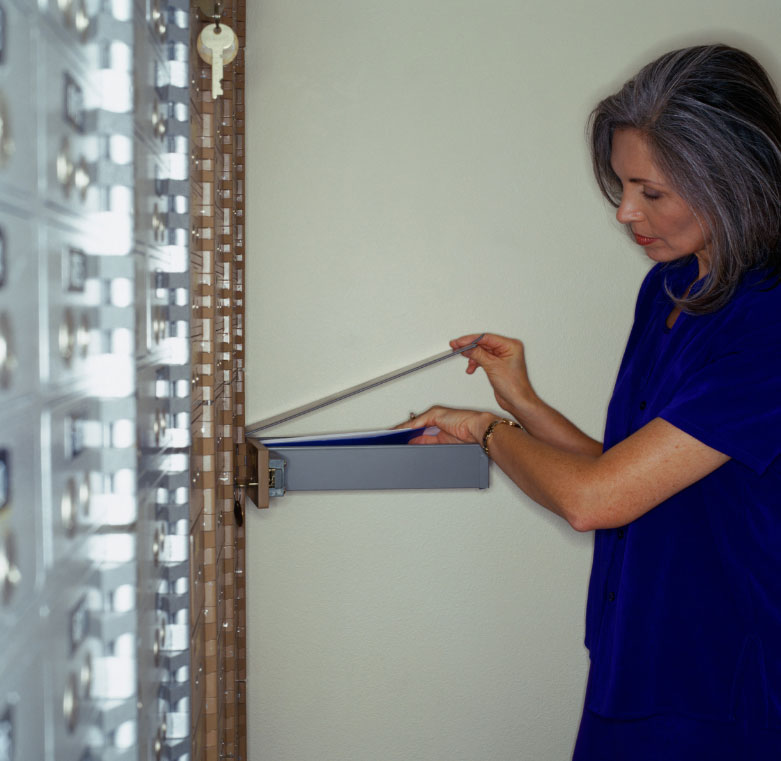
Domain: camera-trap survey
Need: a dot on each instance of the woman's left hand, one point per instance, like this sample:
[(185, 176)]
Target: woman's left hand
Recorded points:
[(455, 426)]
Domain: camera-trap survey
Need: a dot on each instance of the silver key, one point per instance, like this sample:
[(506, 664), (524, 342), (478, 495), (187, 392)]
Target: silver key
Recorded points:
[(218, 46)]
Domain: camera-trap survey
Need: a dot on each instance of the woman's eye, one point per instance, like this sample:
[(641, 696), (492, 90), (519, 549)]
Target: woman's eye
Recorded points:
[(651, 195)]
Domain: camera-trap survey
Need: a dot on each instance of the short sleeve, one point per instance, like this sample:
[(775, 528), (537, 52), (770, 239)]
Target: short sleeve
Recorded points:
[(732, 401)]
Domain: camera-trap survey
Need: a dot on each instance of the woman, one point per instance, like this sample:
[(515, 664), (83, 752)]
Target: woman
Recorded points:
[(684, 608)]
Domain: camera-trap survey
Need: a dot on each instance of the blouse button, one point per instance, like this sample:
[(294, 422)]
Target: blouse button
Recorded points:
[(643, 405), (620, 533), (611, 596)]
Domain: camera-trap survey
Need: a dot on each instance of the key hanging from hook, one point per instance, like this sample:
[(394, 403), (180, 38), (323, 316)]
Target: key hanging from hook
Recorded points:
[(218, 46)]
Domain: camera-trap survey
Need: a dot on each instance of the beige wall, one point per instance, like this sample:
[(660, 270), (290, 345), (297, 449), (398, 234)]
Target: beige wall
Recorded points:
[(418, 169)]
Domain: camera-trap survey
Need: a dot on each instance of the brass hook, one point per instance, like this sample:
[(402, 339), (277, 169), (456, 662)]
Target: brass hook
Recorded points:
[(205, 10)]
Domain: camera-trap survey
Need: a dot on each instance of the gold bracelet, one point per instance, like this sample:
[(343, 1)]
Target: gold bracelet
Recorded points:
[(490, 430)]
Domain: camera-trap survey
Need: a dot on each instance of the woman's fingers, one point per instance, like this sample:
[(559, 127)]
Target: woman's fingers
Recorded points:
[(479, 357), (498, 346), (487, 340), (459, 343), (439, 438), (431, 417), (456, 425), (415, 421)]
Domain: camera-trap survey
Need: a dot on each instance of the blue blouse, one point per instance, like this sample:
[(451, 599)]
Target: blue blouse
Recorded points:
[(684, 604)]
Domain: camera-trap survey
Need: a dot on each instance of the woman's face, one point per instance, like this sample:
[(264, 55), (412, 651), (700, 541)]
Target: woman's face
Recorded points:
[(660, 220)]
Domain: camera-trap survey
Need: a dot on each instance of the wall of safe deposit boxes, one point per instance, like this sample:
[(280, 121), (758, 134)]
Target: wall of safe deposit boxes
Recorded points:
[(94, 380)]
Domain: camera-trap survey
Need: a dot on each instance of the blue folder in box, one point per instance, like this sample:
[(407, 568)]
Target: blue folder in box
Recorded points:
[(355, 438)]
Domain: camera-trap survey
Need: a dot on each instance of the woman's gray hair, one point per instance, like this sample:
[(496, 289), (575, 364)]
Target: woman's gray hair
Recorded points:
[(713, 124)]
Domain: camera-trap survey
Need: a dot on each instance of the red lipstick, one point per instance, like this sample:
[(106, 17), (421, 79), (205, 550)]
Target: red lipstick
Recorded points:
[(643, 241)]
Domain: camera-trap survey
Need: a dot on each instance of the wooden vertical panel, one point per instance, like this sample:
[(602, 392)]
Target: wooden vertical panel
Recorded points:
[(218, 670), (239, 590)]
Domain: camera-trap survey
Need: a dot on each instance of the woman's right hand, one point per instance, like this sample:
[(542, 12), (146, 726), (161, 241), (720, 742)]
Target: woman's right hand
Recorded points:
[(505, 366)]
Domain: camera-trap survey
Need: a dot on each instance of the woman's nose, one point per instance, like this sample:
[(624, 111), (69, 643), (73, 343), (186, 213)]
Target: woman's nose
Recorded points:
[(627, 212)]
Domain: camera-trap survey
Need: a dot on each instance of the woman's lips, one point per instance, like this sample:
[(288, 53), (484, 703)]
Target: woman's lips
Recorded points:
[(643, 241)]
